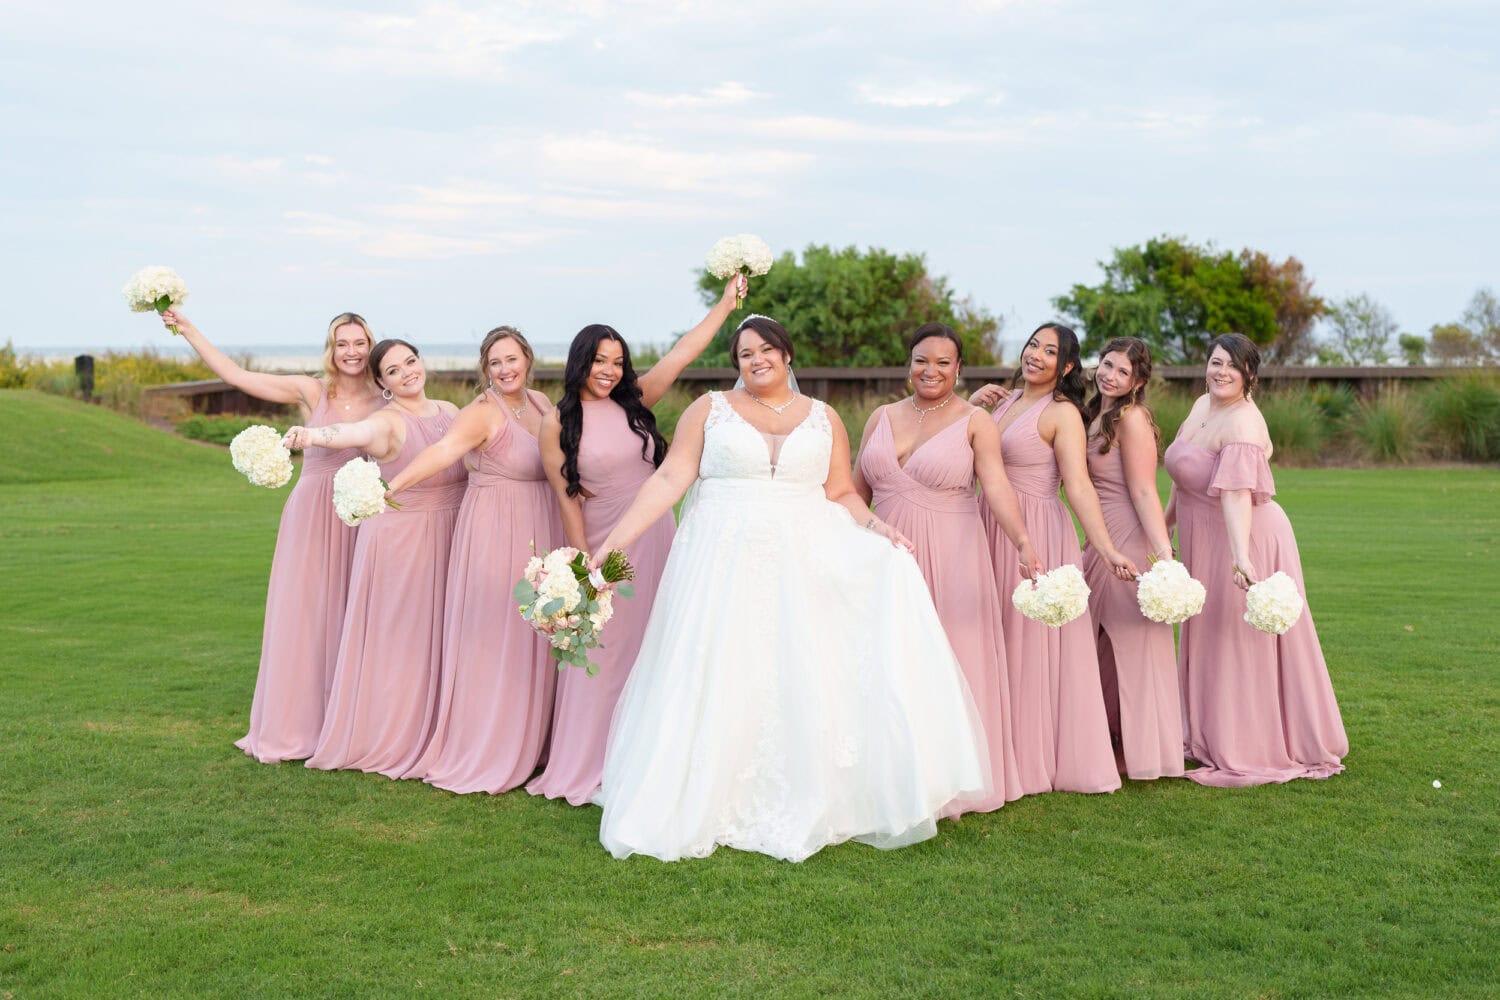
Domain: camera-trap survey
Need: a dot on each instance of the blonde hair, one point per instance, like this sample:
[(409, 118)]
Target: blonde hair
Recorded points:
[(494, 337), (330, 370)]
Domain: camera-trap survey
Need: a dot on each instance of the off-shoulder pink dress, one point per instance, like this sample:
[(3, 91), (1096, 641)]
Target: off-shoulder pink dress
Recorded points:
[(1259, 708), (496, 689), (1137, 664), (1060, 733), (304, 606), (931, 500), (612, 468), (384, 697)]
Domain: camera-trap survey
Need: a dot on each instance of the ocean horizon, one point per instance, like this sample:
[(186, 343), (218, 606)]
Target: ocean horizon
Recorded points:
[(440, 356)]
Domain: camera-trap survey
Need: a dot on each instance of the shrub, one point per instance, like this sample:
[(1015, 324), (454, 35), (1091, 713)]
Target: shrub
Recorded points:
[(1464, 412), (1392, 427), (1297, 426), (1337, 402), (1169, 407), (221, 430)]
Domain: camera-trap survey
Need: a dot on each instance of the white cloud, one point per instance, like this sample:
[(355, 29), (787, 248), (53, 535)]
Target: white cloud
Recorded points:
[(405, 244), (727, 93), (916, 94), (600, 159), (442, 40)]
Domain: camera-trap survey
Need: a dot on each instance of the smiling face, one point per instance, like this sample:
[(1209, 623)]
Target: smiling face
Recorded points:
[(402, 372), (1226, 383), (506, 366), (1116, 378), (934, 368), (605, 371), (1039, 359), (761, 364), (351, 349)]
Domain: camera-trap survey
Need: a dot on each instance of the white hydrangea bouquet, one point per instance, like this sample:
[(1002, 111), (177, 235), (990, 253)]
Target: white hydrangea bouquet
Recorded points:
[(155, 288), (1167, 594), (359, 492), (257, 453), (1274, 604), (559, 598), (743, 254), (1054, 598)]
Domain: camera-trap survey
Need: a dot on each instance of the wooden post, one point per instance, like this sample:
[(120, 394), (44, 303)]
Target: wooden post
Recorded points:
[(83, 367)]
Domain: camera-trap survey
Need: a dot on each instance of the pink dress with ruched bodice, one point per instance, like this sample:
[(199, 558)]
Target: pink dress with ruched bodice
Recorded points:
[(1137, 664), (304, 607), (496, 688), (931, 500), (611, 467), (1060, 733), (1259, 708), (384, 696)]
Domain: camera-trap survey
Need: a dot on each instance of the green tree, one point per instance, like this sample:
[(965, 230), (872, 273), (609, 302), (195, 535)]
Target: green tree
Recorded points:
[(1289, 290), (1174, 295), (848, 307), (1454, 344), (1413, 349), (1361, 330), (1482, 317)]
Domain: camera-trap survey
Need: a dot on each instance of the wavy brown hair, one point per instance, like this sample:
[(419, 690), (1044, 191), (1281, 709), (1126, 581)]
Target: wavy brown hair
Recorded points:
[(1138, 353)]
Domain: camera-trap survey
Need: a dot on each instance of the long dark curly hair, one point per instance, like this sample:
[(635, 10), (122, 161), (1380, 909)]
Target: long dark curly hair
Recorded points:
[(1071, 386), (627, 392), (1138, 353)]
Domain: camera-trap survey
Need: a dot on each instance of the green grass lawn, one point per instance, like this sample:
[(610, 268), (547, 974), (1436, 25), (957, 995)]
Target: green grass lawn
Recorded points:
[(142, 855)]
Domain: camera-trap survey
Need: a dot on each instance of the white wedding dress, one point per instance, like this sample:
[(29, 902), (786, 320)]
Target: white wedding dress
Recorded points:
[(794, 688)]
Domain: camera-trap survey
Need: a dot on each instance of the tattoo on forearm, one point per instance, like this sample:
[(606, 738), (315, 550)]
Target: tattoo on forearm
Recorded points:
[(327, 433)]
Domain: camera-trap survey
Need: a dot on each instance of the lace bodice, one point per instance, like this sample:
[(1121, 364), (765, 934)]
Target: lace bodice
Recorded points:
[(734, 449)]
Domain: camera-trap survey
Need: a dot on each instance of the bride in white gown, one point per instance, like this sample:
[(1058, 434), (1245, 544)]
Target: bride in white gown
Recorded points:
[(794, 688)]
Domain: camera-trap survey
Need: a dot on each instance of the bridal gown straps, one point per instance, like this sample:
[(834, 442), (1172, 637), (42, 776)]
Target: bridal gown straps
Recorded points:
[(384, 697), (931, 500), (304, 609), (1137, 662), (496, 687), (612, 467), (1061, 735), (1259, 708), (794, 687)]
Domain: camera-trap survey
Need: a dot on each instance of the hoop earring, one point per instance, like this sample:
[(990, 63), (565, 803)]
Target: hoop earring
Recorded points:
[(387, 394)]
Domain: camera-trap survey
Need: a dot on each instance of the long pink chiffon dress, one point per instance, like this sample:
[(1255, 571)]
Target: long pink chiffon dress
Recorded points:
[(304, 607), (1259, 708), (384, 697), (1059, 732), (612, 468), (931, 500), (496, 688), (1137, 664)]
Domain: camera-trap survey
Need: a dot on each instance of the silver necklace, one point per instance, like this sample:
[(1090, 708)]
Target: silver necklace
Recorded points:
[(922, 414), (774, 409)]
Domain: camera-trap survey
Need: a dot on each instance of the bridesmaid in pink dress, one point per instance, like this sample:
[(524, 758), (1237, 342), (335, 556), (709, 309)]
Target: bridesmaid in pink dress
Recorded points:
[(310, 570), (1259, 708), (1061, 735), (921, 481), (598, 447), (497, 680), (1137, 663), (384, 696)]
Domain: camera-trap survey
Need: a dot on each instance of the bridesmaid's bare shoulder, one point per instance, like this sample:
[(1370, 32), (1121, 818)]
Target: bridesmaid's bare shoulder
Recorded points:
[(1247, 426)]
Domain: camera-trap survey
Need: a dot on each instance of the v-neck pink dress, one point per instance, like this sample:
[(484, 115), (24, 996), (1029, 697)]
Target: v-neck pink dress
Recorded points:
[(931, 500), (1137, 663), (1259, 708), (1060, 733), (496, 688)]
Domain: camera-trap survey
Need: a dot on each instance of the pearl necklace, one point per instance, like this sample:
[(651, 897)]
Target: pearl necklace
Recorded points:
[(922, 414), (774, 409)]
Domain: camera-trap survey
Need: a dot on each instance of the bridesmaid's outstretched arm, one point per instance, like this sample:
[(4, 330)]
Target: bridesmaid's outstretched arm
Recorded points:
[(1136, 440), (379, 435), (839, 487), (1070, 444), (666, 486), (989, 468), (475, 426), (655, 383), (303, 390), (569, 508)]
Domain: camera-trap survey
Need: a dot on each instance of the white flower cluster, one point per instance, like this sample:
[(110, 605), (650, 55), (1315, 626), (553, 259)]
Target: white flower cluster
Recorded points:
[(1054, 598), (358, 491), (1166, 593), (257, 453), (1274, 604), (556, 602), (150, 284), (739, 254)]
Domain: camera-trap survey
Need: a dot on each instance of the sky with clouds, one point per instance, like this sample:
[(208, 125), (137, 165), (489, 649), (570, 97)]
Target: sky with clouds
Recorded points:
[(444, 167)]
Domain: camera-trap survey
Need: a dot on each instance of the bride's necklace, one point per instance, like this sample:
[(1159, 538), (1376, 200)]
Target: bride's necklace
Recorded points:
[(774, 409), (922, 414)]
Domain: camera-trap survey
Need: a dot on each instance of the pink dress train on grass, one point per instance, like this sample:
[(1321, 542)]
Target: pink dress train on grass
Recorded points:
[(1137, 663), (1259, 708), (612, 468), (304, 610), (384, 697), (1060, 733), (496, 689), (931, 500)]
